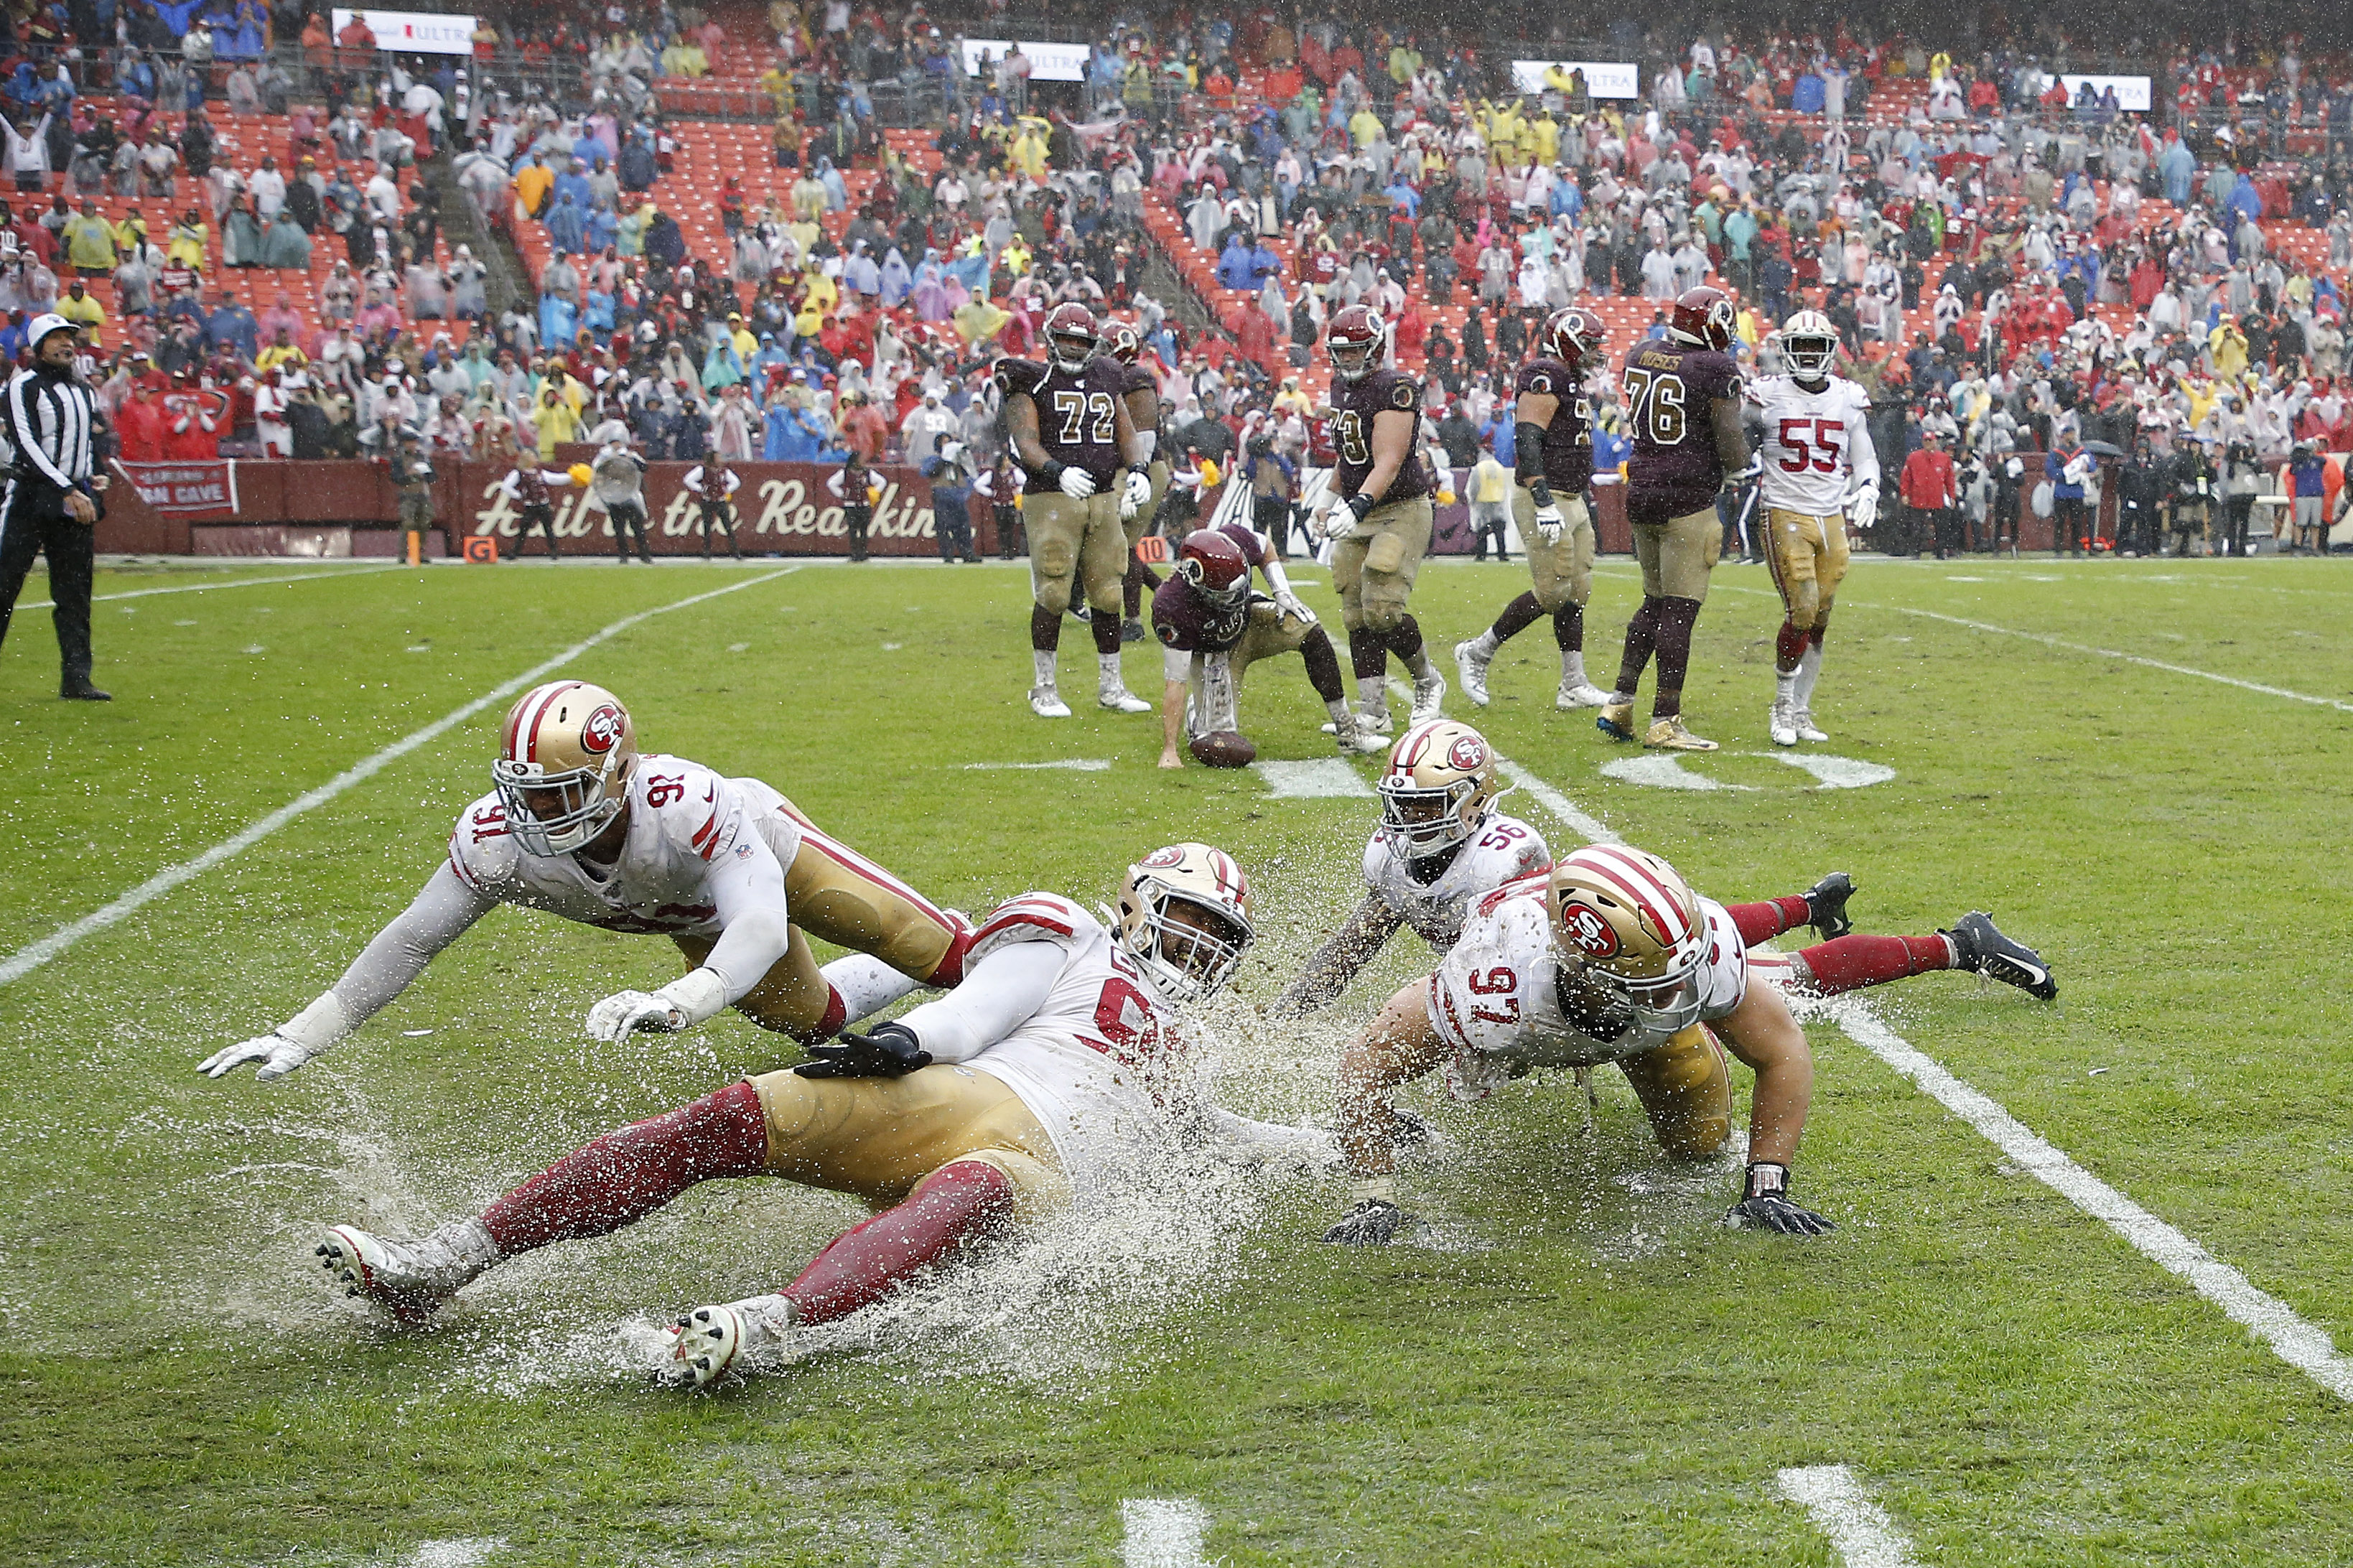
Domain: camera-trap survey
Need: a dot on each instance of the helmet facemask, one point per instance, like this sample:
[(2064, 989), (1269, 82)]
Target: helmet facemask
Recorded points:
[(1809, 356), (1193, 950), (584, 799), (1419, 823), (1070, 350), (1352, 361), (1231, 597)]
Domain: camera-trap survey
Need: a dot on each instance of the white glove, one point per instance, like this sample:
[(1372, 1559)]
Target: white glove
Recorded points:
[(1549, 522), (1290, 604), (278, 1056), (1078, 484), (1862, 509), (1132, 499), (619, 1015), (1319, 522)]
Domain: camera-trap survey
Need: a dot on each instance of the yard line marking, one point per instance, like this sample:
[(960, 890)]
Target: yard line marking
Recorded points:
[(1164, 1532), (233, 583), (460, 1552), (1859, 1528), (2049, 641), (2303, 1346), (1071, 764), (1326, 778), (27, 959)]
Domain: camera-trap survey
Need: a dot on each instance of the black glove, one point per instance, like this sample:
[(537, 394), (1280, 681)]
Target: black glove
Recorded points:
[(1765, 1205), (887, 1050), (1373, 1222), (1407, 1132)]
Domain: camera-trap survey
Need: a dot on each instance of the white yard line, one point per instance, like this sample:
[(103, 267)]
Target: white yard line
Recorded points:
[(460, 1552), (231, 583), (1067, 765), (27, 959), (1858, 1528), (2303, 1345), (1164, 1532)]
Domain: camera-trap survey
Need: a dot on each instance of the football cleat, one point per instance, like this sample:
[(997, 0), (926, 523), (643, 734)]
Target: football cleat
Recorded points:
[(1357, 738), (1616, 721), (1826, 905), (1131, 630), (1116, 697), (1983, 950), (1781, 724), (1473, 667), (1804, 723), (1428, 697), (1382, 724), (408, 1278), (1047, 703), (1584, 694), (709, 1340), (1669, 734)]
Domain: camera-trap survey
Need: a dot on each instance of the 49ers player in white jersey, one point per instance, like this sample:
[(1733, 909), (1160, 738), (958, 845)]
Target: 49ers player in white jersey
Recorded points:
[(584, 826), (1052, 1068), (1819, 475)]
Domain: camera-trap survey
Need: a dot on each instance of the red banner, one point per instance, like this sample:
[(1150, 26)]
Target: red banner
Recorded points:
[(782, 507), (193, 489)]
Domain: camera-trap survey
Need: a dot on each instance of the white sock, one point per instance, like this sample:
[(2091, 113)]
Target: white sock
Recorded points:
[(1572, 667), (1338, 709), (468, 1241), (865, 984), (1107, 672), (1809, 669), (1484, 645), (1042, 665), (1784, 686), (1420, 664), (1373, 700)]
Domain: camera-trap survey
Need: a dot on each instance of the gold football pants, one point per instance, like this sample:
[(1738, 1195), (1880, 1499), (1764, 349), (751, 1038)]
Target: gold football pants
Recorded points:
[(1810, 558), (878, 1138), (1685, 1088), (1070, 536), (1562, 573), (1676, 556), (1373, 568)]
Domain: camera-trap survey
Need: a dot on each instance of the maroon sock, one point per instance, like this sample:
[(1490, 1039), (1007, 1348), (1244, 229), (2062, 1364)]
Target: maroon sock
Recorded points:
[(1641, 636), (1139, 577), (1767, 918), (1815, 637), (1106, 629), (624, 1177), (1368, 652), (1676, 617), (1405, 639), (1568, 628), (1517, 617), (1852, 963), (1789, 646), (1323, 666), (1045, 628), (958, 1203)]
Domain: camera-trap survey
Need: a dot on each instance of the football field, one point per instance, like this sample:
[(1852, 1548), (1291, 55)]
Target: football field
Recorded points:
[(2090, 1300)]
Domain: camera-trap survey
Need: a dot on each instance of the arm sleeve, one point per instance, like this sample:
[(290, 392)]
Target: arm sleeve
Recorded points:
[(997, 997), (749, 893), (438, 917)]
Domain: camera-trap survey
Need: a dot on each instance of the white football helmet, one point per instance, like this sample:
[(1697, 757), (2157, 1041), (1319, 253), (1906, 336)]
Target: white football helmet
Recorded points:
[(1630, 940), (1809, 345), (563, 768), (1438, 788), (1188, 955)]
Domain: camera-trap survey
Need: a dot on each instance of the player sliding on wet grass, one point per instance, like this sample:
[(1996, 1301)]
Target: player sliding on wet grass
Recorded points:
[(1054, 1068)]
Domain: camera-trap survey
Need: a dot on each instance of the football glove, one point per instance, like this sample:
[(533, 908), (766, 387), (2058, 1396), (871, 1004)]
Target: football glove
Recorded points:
[(1290, 604), (1862, 509), (278, 1056), (1138, 490), (1765, 1205), (628, 1013), (1077, 483), (1549, 522), (887, 1050), (1373, 1222)]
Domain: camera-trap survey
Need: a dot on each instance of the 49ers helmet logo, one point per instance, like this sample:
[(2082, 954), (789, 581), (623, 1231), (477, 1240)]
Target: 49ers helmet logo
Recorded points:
[(1466, 755), (602, 732), (1590, 934), (1160, 859)]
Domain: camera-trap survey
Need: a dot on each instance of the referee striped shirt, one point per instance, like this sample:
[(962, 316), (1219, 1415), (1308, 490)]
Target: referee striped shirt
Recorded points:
[(49, 420)]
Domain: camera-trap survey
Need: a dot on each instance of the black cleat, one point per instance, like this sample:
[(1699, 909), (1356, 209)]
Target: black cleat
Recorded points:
[(80, 689), (1985, 951), (1131, 630), (1826, 905)]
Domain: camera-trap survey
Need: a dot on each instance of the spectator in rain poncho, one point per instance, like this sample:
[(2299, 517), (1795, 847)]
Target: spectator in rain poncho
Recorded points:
[(930, 291), (285, 246), (897, 281), (566, 225)]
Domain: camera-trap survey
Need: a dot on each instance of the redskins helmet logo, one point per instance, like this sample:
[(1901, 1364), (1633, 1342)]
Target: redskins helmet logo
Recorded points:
[(602, 732), (1590, 932), (1160, 859), (1466, 755)]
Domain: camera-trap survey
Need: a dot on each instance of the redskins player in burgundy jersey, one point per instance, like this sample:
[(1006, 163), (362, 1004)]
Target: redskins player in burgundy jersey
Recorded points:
[(1212, 628), (1682, 409), (1141, 392), (1068, 425), (1553, 460), (1378, 482)]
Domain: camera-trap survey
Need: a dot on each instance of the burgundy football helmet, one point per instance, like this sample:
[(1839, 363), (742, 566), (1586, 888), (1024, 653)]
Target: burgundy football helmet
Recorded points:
[(1355, 339), (1574, 337), (1215, 565), (1704, 318), (1071, 335), (1122, 342)]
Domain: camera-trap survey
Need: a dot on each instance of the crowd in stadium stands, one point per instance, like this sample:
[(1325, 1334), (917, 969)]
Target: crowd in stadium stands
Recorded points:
[(2070, 295)]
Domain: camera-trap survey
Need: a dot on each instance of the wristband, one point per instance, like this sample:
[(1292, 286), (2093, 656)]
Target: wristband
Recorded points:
[(319, 1025), (696, 995), (1140, 471), (1541, 491), (1767, 1180), (1361, 504), (1051, 475)]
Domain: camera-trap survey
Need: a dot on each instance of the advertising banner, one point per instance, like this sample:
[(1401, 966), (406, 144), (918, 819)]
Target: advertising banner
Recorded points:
[(412, 32), (1048, 62), (1603, 78), (189, 490), (2132, 91), (782, 507)]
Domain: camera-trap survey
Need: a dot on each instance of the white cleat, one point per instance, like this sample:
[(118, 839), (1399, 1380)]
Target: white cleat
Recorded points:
[(1047, 703), (710, 1341), (1473, 670), (1781, 725), (408, 1278), (1429, 695), (1805, 726), (1358, 739), (1383, 725), (1570, 698), (1119, 699)]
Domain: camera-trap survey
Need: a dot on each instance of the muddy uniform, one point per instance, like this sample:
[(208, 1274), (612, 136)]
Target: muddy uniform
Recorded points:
[(1563, 571), (1078, 426), (1375, 562), (1672, 390)]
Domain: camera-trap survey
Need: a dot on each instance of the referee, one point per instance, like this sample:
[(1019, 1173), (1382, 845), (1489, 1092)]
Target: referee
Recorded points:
[(53, 495)]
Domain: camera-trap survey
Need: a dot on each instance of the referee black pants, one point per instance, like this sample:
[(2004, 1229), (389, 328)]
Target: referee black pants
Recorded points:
[(72, 550)]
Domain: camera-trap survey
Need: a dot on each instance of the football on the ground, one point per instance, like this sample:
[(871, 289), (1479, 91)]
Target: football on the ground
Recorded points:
[(1224, 749)]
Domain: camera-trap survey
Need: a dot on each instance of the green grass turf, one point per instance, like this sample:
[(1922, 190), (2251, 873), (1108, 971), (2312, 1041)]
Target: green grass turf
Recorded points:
[(1579, 1366)]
